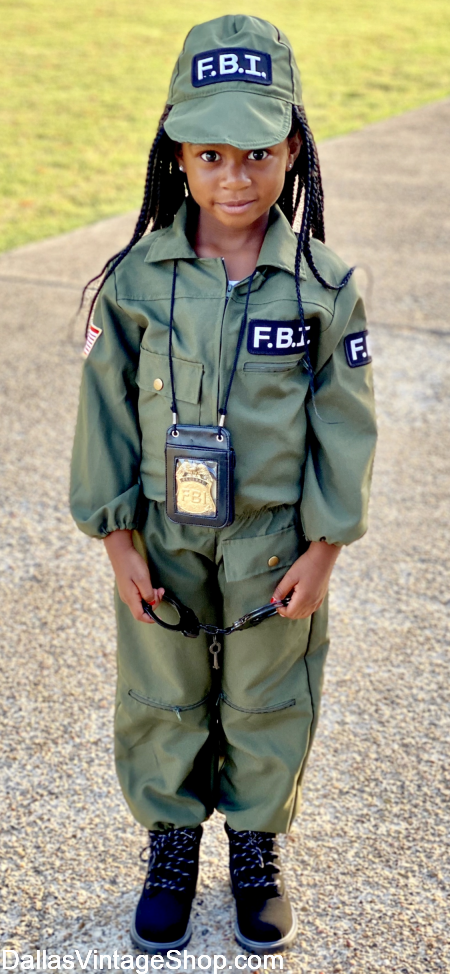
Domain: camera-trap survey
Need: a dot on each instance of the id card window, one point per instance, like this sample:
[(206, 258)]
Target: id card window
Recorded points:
[(196, 487)]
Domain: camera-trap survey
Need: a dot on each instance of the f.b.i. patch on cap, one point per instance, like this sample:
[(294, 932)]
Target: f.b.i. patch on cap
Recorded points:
[(91, 338), (231, 64), (357, 349)]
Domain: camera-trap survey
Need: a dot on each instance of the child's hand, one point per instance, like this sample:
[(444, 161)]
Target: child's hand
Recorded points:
[(132, 574), (308, 580)]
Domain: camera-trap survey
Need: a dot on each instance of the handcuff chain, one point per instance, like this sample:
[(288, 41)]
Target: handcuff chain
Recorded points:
[(213, 630)]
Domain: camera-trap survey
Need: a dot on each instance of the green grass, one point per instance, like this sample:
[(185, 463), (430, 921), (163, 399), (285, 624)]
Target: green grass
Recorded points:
[(83, 82)]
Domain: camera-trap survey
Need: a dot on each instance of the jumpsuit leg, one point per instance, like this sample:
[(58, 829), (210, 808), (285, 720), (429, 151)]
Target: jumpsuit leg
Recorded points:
[(271, 682), (164, 751), (166, 741)]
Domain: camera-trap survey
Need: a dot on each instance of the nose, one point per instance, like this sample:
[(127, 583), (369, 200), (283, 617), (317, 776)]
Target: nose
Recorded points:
[(235, 176)]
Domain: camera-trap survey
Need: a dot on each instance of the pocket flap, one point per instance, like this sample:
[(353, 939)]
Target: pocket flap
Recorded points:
[(154, 367), (247, 557)]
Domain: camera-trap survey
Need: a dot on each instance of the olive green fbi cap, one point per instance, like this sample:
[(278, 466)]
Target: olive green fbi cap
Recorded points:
[(235, 82)]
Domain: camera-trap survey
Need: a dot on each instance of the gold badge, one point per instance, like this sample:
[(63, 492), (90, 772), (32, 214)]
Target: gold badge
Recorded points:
[(196, 487)]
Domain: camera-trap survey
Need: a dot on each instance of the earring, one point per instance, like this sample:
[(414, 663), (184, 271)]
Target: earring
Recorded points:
[(181, 168), (290, 165)]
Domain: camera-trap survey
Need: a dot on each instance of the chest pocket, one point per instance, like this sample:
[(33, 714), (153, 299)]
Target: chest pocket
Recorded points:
[(270, 366), (155, 395)]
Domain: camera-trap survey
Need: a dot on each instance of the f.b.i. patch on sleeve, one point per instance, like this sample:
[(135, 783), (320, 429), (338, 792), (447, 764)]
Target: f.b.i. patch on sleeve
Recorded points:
[(276, 337), (357, 349), (91, 338)]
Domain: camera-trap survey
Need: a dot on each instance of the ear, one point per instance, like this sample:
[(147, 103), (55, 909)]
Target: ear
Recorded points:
[(294, 146), (179, 153)]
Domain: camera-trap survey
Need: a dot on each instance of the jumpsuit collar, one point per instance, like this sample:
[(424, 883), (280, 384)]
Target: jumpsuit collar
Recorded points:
[(278, 249)]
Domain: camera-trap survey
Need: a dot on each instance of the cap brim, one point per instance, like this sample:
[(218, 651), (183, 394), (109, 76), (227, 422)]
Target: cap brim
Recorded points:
[(245, 120)]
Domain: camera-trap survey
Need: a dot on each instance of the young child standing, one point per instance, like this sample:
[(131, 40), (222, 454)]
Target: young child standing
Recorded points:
[(223, 451)]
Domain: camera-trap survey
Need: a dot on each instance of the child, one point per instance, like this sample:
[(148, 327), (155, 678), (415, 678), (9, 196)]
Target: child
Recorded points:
[(221, 331)]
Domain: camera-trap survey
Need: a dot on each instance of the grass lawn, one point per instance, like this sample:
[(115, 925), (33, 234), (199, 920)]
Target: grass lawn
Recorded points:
[(83, 83)]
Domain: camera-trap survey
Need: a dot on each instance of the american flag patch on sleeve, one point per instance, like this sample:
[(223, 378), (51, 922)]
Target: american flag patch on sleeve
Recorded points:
[(91, 338)]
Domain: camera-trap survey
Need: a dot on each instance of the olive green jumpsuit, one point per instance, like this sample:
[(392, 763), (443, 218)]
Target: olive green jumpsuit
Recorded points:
[(303, 469)]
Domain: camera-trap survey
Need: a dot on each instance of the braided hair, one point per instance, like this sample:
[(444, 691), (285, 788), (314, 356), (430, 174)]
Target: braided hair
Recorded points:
[(166, 188)]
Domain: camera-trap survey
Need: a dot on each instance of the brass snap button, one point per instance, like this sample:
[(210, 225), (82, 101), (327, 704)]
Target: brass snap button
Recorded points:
[(273, 561), (158, 385)]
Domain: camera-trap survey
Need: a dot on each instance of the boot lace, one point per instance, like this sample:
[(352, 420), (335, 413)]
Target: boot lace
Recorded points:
[(254, 858), (172, 860)]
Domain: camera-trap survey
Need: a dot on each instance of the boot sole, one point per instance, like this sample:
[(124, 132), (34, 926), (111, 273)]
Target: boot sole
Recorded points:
[(257, 945), (153, 947)]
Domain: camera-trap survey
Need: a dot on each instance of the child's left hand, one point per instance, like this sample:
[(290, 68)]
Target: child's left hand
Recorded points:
[(308, 580)]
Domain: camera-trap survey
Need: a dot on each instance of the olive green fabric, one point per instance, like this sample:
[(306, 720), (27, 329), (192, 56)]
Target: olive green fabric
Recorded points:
[(235, 109), (290, 450), (303, 470), (269, 685)]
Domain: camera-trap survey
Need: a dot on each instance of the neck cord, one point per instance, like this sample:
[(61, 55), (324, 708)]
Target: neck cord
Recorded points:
[(173, 404), (223, 410)]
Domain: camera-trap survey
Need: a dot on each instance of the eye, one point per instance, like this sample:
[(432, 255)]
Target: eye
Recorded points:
[(210, 156), (257, 155)]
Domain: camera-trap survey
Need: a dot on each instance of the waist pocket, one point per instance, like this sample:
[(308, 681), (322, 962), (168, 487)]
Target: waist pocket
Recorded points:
[(266, 554)]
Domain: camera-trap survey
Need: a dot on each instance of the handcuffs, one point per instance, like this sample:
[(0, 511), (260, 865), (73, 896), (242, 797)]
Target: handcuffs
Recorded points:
[(191, 626)]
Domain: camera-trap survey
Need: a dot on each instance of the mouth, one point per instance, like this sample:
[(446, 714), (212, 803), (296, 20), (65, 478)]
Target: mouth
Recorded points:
[(235, 206)]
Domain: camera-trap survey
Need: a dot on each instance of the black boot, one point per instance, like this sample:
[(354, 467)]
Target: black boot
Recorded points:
[(264, 914), (161, 920)]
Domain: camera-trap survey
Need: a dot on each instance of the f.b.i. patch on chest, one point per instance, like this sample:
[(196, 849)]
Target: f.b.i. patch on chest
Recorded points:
[(277, 337), (357, 349)]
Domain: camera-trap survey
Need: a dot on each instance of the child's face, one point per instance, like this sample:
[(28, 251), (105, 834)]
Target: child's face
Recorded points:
[(237, 186)]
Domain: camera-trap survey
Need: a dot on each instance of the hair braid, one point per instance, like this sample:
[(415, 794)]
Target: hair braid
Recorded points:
[(306, 170), (164, 192), (313, 206)]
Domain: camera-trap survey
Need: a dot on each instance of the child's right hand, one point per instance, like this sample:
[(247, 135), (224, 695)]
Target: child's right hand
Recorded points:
[(132, 574)]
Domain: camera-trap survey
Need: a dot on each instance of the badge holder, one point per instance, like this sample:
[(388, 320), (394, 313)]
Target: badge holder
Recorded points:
[(200, 460), (199, 475)]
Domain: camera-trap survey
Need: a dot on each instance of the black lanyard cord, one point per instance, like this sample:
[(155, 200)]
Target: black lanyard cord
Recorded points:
[(223, 410), (173, 404)]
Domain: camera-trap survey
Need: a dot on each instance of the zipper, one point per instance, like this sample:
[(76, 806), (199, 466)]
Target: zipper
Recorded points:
[(229, 286), (258, 710), (165, 706), (228, 292)]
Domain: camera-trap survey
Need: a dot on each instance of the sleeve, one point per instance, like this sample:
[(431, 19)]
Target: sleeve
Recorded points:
[(342, 429), (105, 485)]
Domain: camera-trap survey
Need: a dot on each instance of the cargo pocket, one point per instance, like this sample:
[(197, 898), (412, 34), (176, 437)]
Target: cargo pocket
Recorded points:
[(140, 719), (273, 708), (238, 720), (267, 554), (155, 395), (176, 709)]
